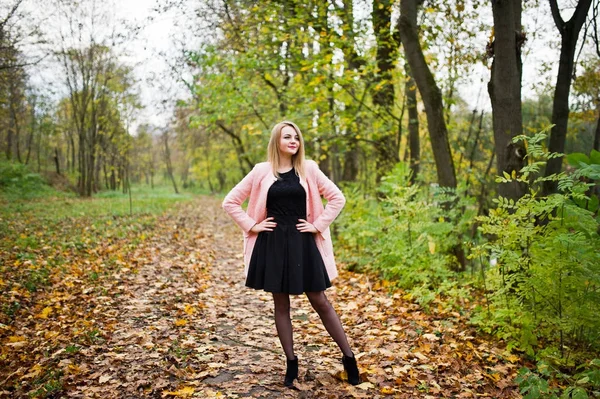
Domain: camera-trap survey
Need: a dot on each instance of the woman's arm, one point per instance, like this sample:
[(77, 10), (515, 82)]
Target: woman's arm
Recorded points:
[(333, 195), (232, 204)]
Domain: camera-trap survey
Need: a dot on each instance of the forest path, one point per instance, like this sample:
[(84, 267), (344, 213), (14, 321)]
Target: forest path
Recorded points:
[(182, 324)]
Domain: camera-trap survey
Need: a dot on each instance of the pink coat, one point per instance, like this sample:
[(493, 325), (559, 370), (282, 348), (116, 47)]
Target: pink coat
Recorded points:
[(256, 185)]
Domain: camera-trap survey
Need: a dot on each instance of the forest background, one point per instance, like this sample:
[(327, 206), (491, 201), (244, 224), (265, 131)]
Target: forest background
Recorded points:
[(488, 209)]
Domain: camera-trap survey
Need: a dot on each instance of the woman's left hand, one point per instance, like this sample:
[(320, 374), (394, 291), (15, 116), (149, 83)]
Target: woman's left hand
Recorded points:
[(305, 227)]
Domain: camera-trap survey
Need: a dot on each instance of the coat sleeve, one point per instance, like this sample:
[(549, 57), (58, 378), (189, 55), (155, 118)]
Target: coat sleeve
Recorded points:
[(333, 195), (232, 204)]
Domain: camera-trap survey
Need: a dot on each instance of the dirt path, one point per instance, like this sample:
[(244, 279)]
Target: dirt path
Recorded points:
[(177, 321)]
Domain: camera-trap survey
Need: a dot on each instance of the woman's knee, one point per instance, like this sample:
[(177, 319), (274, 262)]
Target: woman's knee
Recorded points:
[(319, 301), (282, 303)]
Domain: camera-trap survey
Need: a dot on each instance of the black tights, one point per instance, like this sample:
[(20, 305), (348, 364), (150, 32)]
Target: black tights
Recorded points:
[(326, 312)]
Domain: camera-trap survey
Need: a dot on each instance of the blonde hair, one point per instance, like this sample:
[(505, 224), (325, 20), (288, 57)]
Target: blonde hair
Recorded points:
[(273, 149)]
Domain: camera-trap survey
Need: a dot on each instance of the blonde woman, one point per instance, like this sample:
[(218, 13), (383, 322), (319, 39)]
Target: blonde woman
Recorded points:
[(287, 244)]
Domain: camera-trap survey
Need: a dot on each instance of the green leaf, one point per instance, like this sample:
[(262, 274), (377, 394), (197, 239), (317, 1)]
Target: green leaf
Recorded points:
[(595, 157), (579, 393), (576, 158)]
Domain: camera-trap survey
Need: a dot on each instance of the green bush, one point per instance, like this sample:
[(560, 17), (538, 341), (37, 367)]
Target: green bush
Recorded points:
[(409, 236), (546, 284), (16, 180)]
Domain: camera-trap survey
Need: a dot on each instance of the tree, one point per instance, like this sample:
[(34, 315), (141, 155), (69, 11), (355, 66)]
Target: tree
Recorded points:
[(504, 89), (383, 92), (569, 33), (430, 92)]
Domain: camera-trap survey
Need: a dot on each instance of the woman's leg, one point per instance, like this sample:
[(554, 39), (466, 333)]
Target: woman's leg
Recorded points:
[(284, 323), (330, 320)]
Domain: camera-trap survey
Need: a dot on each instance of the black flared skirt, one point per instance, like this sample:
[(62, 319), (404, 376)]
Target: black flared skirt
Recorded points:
[(287, 261)]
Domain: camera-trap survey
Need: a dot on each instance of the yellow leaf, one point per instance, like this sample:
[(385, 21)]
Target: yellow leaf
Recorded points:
[(16, 338), (365, 385), (431, 247), (185, 392), (180, 322), (189, 309), (45, 313), (387, 390)]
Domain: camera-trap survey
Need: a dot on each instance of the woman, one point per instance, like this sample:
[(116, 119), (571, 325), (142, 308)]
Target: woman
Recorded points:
[(287, 244)]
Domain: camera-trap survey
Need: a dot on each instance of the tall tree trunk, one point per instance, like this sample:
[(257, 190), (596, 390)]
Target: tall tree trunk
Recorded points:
[(569, 33), (465, 145), (354, 62), (168, 161), (9, 139), (410, 88), (504, 88), (597, 135), (31, 134), (57, 161), (16, 126), (381, 15), (351, 161), (430, 93), (383, 92), (82, 162)]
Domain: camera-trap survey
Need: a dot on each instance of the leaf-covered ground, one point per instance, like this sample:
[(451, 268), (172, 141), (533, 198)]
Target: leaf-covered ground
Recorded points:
[(133, 307)]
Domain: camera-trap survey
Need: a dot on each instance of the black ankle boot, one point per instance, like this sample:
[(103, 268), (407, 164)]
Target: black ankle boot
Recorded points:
[(292, 372), (351, 369)]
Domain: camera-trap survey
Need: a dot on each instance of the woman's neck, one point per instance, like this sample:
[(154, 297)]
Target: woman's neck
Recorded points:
[(285, 164)]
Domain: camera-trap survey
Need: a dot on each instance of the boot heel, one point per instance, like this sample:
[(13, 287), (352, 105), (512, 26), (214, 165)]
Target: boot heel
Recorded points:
[(291, 373), (351, 369)]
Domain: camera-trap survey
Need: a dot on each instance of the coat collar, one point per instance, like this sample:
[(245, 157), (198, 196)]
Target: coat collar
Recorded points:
[(270, 178)]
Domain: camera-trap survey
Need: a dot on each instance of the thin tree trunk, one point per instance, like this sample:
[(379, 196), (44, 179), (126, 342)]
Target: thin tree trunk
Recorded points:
[(476, 142), (569, 32), (57, 161), (430, 93), (9, 139), (246, 164), (168, 161), (597, 135), (31, 133), (466, 142), (410, 88)]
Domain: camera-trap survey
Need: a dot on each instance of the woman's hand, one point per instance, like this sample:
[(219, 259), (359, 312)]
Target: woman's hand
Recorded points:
[(305, 227), (265, 225)]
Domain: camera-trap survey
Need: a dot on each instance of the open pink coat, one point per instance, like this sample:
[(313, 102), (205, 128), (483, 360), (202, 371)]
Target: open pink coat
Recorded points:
[(256, 185)]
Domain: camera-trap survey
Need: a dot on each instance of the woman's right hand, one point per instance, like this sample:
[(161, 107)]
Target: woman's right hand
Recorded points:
[(266, 225)]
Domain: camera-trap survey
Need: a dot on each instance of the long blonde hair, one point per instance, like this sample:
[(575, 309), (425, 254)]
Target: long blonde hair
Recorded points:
[(273, 149)]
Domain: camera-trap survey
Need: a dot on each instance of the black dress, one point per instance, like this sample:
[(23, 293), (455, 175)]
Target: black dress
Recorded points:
[(285, 260)]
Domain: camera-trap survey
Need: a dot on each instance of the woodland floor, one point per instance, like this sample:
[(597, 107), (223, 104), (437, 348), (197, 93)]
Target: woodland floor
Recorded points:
[(167, 315)]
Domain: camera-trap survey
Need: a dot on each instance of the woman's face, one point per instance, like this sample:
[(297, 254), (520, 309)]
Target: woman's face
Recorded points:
[(289, 142)]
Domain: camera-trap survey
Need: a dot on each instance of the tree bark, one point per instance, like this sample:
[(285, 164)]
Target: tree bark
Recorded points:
[(383, 91), (430, 93), (569, 33), (168, 161), (381, 15), (597, 135), (57, 161), (410, 88), (504, 88)]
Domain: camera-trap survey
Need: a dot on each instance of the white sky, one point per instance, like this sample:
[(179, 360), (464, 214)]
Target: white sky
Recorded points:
[(154, 45)]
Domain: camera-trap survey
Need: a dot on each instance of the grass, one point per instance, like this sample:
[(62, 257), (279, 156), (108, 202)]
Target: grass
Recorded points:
[(56, 205)]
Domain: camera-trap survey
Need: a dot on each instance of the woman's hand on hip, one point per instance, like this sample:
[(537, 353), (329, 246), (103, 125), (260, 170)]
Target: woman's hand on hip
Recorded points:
[(305, 227), (266, 225)]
